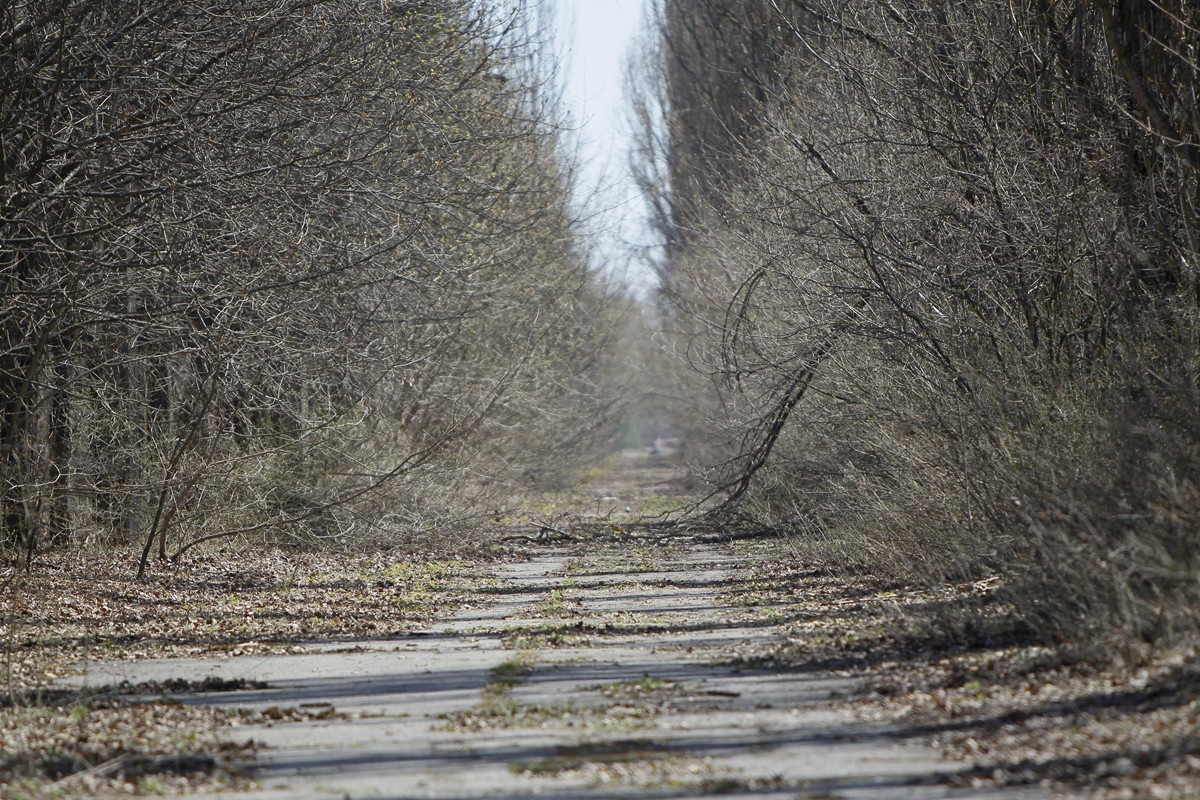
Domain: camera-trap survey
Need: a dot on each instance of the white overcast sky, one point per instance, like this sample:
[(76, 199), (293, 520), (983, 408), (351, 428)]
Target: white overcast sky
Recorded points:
[(595, 36)]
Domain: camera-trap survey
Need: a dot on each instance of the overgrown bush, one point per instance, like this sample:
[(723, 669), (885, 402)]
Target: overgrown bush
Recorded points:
[(944, 277), (280, 266)]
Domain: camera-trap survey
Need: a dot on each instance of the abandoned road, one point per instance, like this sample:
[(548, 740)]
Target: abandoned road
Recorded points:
[(607, 671)]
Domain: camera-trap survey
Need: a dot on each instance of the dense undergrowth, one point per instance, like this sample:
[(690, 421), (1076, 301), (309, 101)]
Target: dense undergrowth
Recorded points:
[(931, 277)]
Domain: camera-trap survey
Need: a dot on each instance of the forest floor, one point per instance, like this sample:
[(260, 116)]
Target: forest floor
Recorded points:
[(615, 662)]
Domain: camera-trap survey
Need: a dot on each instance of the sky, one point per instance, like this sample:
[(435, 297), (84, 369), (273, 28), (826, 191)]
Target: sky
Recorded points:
[(594, 39)]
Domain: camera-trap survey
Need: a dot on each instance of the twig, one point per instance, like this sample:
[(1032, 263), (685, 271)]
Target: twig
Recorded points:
[(104, 769)]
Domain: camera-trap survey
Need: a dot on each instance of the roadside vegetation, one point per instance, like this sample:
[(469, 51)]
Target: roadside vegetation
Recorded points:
[(931, 278), (295, 272)]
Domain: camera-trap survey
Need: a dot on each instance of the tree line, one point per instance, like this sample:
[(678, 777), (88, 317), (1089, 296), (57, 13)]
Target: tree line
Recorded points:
[(302, 269), (931, 273)]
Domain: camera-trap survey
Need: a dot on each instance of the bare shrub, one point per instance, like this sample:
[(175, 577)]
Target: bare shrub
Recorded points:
[(943, 284), (280, 266)]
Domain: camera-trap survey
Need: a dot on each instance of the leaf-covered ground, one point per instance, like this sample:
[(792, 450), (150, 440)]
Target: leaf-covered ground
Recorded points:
[(1019, 712), (948, 664), (129, 740)]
